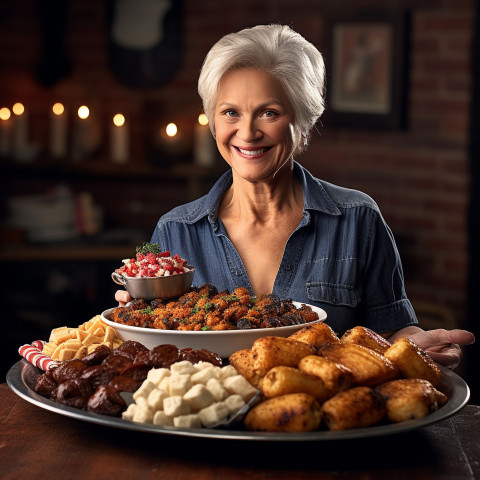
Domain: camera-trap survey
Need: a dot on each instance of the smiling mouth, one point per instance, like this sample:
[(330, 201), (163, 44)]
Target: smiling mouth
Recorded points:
[(252, 153)]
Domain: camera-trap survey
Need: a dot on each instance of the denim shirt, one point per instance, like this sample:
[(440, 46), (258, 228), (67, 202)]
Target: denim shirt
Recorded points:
[(342, 256)]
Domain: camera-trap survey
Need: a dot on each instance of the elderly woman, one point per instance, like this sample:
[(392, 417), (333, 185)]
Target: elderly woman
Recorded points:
[(268, 224)]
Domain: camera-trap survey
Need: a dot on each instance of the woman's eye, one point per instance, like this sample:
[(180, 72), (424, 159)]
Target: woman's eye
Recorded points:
[(231, 113), (270, 113)]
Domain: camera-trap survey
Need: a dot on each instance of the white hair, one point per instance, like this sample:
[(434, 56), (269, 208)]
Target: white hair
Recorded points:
[(283, 53)]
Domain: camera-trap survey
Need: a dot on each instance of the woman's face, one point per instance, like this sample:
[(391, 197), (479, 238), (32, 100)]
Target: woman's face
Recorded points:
[(252, 123)]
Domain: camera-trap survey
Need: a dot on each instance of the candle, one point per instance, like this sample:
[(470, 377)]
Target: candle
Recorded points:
[(80, 137), (58, 131), (20, 132), (119, 144), (171, 139), (5, 131), (87, 134), (204, 152)]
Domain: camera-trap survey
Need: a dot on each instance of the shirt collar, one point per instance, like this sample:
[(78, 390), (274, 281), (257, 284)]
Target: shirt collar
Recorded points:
[(315, 196)]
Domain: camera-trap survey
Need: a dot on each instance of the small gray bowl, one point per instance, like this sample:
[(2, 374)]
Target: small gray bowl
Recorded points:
[(149, 288)]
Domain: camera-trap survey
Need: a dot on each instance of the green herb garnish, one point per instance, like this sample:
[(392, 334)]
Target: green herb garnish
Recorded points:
[(148, 310), (149, 248), (205, 328)]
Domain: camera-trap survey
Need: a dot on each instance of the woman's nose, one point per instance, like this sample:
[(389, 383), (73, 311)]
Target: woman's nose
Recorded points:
[(248, 131)]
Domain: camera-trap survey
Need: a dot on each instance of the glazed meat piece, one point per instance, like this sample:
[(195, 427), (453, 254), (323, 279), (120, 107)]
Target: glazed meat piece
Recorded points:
[(122, 383), (106, 401), (97, 356), (162, 356), (74, 392), (98, 375), (45, 385), (118, 362), (130, 349), (68, 370), (138, 372), (195, 356)]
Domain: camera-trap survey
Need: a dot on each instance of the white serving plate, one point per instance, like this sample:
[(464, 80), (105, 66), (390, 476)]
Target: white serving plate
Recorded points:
[(223, 343)]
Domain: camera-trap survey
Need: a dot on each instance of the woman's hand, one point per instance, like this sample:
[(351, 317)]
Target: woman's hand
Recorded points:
[(122, 297), (443, 346)]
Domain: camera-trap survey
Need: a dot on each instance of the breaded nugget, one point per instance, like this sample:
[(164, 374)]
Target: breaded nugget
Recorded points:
[(409, 398), (268, 352), (367, 366), (243, 362), (336, 377), (366, 337), (294, 412), (412, 361), (281, 380), (316, 335), (354, 408)]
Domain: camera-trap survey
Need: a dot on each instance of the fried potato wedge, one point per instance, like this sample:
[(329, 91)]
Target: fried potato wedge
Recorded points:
[(368, 367), (294, 412), (410, 398), (268, 352), (281, 380), (316, 335), (335, 377), (412, 361), (355, 408), (366, 337)]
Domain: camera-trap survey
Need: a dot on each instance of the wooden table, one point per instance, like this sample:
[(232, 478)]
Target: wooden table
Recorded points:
[(38, 444)]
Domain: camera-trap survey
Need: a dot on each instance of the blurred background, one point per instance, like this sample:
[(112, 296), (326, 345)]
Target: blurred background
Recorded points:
[(99, 136)]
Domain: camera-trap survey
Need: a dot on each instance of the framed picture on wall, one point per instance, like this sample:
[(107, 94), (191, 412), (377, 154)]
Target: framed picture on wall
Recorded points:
[(367, 72)]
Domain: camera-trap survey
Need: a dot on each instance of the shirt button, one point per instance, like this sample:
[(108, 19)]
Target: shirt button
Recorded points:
[(238, 272)]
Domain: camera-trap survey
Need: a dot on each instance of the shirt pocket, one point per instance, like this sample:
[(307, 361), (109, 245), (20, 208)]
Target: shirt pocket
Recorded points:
[(340, 295)]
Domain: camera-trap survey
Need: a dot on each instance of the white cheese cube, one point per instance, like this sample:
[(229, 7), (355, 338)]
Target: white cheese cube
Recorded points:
[(141, 402), (179, 384), (216, 389), (202, 365), (204, 375), (145, 388), (227, 371), (161, 418), (165, 385), (155, 399), (156, 375), (199, 397), (182, 367), (188, 421), (175, 405), (239, 384), (129, 413), (234, 403), (213, 414), (143, 414)]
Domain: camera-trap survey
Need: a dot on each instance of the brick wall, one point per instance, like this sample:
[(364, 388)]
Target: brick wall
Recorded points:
[(419, 176)]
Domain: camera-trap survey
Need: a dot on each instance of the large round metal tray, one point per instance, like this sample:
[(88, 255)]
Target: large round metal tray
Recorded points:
[(22, 376)]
